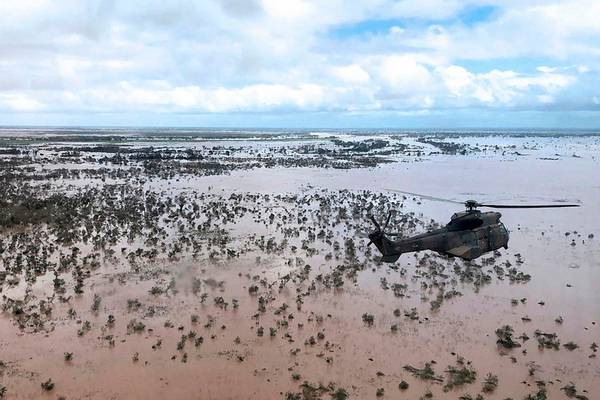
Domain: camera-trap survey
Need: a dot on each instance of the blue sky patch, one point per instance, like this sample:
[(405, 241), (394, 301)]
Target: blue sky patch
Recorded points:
[(521, 65), (367, 27), (468, 16), (474, 15)]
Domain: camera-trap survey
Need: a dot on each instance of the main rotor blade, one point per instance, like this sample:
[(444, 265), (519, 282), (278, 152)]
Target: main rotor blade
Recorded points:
[(528, 205), (424, 196)]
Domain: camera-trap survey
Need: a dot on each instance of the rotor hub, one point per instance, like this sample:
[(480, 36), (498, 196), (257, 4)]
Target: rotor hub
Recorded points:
[(471, 204)]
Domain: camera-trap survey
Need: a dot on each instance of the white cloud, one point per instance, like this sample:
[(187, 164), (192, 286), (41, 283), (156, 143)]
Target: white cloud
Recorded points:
[(543, 68), (352, 74), (290, 9), (400, 75), (582, 69), (162, 97), (270, 55), (506, 88), (19, 102), (396, 30)]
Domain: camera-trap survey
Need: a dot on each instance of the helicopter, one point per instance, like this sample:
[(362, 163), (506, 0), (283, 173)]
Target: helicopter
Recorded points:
[(468, 235)]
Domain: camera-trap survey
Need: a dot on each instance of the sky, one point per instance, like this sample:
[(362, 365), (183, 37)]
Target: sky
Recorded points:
[(301, 63)]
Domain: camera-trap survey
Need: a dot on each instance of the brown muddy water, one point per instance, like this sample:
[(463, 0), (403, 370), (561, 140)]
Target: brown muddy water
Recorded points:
[(153, 268)]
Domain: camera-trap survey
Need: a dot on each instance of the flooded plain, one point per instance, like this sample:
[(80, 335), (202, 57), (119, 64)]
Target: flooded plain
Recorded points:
[(233, 265)]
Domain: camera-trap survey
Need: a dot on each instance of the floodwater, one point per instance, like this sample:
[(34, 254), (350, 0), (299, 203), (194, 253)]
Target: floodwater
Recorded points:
[(558, 248)]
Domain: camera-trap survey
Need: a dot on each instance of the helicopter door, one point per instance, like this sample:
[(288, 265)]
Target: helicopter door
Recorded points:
[(497, 236), (474, 243)]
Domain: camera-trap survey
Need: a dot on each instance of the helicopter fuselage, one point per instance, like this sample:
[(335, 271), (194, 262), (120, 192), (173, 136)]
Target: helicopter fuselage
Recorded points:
[(468, 235)]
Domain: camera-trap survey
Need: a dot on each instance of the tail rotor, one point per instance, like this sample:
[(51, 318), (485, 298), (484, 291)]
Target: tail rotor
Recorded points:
[(379, 232)]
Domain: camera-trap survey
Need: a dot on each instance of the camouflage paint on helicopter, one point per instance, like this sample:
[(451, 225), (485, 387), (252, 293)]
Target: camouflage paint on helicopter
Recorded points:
[(468, 235)]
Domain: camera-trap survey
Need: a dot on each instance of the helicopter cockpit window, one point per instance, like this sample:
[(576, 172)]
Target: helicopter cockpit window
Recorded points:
[(460, 224)]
